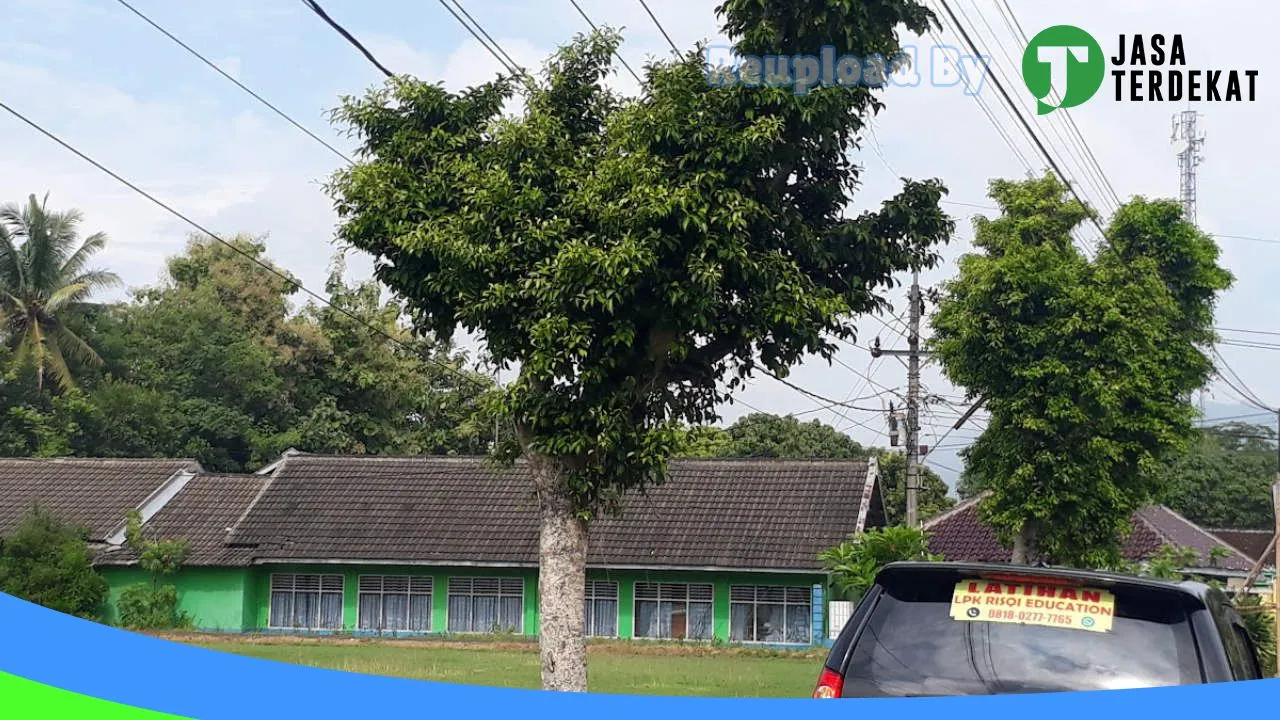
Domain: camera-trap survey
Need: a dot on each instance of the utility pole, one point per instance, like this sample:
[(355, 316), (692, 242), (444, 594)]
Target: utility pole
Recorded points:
[(913, 406), (912, 429)]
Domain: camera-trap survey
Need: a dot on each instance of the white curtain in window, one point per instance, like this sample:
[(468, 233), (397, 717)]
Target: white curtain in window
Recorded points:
[(484, 614), (647, 623), (459, 613), (799, 624), (420, 613), (281, 609), (700, 623), (305, 605), (370, 611), (331, 611), (511, 615), (395, 612)]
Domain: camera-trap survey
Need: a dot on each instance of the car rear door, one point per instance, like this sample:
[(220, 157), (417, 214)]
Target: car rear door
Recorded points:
[(1017, 635)]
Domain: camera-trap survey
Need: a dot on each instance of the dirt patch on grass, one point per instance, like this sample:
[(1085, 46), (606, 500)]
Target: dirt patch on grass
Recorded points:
[(614, 647)]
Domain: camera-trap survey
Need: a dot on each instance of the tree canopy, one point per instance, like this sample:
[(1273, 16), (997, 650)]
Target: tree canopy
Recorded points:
[(638, 258), (771, 436), (1224, 478), (1086, 365), (216, 364)]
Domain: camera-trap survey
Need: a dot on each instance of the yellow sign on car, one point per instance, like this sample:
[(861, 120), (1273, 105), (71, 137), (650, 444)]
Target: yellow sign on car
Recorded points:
[(1031, 603)]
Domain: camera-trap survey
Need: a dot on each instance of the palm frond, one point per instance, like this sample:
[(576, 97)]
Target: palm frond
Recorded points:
[(11, 271), (30, 347), (76, 263), (75, 346), (64, 296), (56, 365)]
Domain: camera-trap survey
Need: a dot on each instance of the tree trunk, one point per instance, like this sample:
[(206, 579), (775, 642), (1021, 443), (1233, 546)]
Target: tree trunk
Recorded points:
[(1024, 544), (562, 576)]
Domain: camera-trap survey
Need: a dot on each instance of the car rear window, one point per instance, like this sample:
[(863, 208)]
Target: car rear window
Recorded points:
[(921, 638)]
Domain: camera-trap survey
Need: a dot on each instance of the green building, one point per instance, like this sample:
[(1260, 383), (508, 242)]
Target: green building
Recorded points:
[(725, 550)]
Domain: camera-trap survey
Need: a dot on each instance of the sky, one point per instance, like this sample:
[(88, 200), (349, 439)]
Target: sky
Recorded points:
[(97, 75)]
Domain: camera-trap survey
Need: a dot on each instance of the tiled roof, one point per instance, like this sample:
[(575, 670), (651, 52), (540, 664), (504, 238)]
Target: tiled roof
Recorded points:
[(749, 514), (1253, 543), (959, 535), (93, 493), (201, 514)]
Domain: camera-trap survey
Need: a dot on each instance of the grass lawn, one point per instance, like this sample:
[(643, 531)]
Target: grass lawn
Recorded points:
[(629, 668)]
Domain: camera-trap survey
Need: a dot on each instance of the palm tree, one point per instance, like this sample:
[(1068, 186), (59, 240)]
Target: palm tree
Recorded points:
[(43, 274)]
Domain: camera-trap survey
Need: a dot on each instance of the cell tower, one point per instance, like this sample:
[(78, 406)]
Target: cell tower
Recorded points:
[(1191, 139)]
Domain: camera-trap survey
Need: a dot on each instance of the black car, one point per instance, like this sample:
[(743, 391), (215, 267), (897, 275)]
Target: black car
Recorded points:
[(930, 629)]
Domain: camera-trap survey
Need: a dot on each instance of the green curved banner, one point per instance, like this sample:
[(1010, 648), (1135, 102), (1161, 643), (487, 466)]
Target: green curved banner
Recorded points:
[(21, 699)]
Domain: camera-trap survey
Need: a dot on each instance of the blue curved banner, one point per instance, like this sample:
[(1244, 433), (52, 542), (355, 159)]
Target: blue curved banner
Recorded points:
[(42, 651)]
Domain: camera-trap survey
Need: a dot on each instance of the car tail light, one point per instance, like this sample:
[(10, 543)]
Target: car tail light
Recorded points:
[(829, 684)]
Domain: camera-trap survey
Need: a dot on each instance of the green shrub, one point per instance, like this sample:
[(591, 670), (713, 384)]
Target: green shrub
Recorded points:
[(152, 607), (1260, 623), (47, 562), (854, 564)]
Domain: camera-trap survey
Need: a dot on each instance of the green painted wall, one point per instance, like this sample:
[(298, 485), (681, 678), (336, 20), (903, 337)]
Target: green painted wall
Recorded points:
[(261, 587), (236, 599), (721, 583), (217, 599)]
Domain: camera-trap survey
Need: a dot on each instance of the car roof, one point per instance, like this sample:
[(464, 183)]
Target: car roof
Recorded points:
[(1198, 590)]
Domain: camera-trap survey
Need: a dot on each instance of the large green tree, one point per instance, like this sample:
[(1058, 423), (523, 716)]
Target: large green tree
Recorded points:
[(44, 273), (1085, 365), (1224, 478), (637, 258), (214, 363)]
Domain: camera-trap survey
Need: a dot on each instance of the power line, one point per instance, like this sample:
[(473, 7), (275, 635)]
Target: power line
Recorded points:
[(1072, 152), (1250, 344), (513, 66), (168, 208), (238, 84), (1272, 241), (982, 105), (616, 53), (1207, 422), (1248, 332), (1015, 27), (1247, 395), (653, 17), (315, 8), (1017, 111), (820, 398)]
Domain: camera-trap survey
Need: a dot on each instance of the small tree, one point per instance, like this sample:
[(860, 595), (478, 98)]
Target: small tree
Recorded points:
[(47, 562), (154, 606), (854, 563)]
